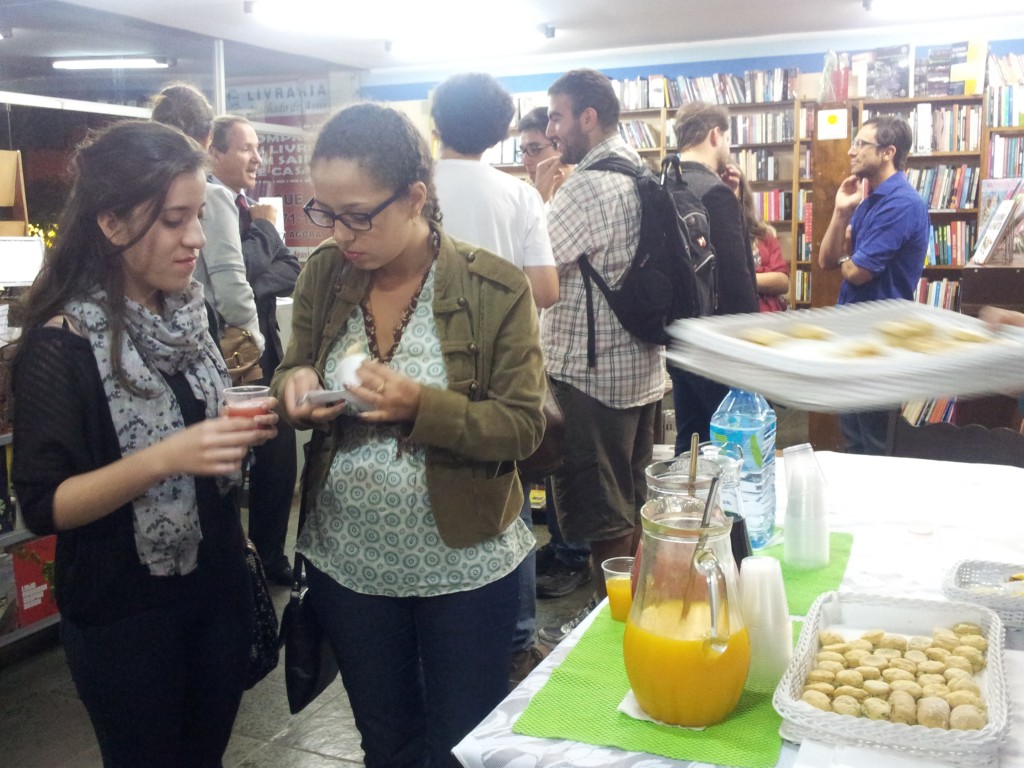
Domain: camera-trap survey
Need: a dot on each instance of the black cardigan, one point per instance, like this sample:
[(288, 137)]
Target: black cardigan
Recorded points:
[(62, 427)]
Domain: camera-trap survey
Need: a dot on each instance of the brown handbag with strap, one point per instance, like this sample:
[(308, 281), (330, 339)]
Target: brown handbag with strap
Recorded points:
[(241, 355), (548, 457)]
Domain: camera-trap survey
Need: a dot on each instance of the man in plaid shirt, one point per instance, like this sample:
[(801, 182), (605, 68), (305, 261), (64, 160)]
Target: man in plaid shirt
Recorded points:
[(609, 407)]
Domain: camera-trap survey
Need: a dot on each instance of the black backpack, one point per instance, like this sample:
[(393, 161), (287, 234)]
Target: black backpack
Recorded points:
[(672, 275)]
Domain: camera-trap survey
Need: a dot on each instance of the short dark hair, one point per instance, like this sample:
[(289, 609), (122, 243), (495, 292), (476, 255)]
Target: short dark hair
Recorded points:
[(588, 88), (694, 122), (534, 120), (384, 143), (893, 131), (221, 128), (472, 112), (184, 107)]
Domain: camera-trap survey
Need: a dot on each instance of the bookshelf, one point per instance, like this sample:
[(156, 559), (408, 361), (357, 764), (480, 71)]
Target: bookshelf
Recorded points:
[(771, 143), (648, 131)]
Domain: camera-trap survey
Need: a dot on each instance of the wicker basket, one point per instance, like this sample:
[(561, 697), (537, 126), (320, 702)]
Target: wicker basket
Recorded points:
[(978, 581), (853, 614)]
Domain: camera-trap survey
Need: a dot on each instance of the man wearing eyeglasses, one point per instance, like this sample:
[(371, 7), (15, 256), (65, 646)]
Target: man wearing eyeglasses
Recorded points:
[(271, 269), (877, 237), (540, 154)]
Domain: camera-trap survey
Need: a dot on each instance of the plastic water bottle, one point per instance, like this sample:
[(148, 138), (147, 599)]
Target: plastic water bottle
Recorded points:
[(745, 419)]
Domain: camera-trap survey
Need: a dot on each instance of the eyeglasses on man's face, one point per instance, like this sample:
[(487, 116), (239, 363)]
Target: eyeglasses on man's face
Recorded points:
[(357, 222), (534, 149), (859, 144)]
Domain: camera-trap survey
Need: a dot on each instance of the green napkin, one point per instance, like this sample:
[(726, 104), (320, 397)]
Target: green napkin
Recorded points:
[(804, 586), (580, 703)]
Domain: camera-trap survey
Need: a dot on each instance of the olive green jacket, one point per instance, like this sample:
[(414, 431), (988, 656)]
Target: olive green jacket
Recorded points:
[(490, 415)]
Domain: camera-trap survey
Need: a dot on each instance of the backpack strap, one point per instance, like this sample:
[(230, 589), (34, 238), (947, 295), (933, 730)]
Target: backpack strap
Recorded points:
[(591, 275)]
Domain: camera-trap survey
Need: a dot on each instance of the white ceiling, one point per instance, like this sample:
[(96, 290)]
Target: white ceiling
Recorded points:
[(597, 26)]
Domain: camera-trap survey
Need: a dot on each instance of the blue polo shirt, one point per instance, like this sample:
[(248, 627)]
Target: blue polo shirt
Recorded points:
[(890, 239)]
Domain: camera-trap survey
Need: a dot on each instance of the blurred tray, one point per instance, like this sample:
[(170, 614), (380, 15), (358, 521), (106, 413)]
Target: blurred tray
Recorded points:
[(853, 614), (821, 375), (983, 582)]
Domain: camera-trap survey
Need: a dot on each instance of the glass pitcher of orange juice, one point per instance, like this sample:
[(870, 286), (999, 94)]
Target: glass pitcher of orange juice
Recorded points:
[(686, 649)]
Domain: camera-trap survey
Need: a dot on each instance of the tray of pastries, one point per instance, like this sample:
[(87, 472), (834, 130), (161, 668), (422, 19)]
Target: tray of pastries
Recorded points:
[(854, 357), (915, 677)]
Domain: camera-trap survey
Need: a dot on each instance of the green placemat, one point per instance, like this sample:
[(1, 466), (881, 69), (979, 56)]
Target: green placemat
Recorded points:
[(580, 703), (804, 586)]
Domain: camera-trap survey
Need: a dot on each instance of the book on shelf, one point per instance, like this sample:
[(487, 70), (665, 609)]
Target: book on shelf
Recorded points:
[(993, 192), (1006, 70), (33, 576), (998, 227), (1006, 156), (931, 411), (944, 293), (1005, 105)]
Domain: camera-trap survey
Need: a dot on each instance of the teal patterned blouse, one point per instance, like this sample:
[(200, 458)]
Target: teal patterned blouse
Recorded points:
[(371, 528)]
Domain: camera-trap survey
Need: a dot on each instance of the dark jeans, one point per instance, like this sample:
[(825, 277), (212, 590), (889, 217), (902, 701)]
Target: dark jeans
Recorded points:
[(865, 432), (420, 672), (162, 688), (574, 554), (695, 399)]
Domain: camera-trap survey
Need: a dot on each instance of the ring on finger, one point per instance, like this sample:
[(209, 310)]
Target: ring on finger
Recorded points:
[(380, 389)]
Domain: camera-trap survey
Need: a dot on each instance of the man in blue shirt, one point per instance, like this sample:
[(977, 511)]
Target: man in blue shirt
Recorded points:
[(878, 237)]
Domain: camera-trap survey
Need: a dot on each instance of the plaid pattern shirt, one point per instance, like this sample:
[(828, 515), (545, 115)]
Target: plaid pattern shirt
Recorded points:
[(598, 213)]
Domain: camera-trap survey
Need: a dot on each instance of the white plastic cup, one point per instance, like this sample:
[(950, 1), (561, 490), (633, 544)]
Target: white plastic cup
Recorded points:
[(765, 611), (806, 540)]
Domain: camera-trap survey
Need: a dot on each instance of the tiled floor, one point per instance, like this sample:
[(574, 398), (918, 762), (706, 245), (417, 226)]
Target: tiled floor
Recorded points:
[(43, 724)]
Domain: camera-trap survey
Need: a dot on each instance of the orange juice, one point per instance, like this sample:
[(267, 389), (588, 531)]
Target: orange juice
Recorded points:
[(620, 596), (676, 677)]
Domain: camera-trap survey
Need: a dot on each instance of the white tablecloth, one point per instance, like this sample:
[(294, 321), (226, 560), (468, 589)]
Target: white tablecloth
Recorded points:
[(911, 520)]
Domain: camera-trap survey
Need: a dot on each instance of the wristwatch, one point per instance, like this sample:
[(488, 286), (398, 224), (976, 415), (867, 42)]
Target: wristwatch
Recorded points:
[(842, 260)]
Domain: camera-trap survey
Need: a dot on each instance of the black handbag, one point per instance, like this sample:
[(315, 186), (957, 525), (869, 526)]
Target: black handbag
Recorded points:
[(309, 663), (264, 651)]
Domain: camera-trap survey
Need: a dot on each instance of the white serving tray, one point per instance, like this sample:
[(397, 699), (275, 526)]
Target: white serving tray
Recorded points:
[(821, 376), (853, 614)]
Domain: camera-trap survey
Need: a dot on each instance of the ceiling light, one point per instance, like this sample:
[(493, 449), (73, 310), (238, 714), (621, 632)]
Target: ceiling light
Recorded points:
[(118, 63)]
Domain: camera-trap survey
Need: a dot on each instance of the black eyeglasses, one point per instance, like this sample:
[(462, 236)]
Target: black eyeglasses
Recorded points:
[(534, 149), (357, 222)]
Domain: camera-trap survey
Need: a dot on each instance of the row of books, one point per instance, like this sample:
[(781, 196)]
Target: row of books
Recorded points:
[(774, 205), (765, 164), (752, 87), (1005, 105), (946, 187), (953, 128), (802, 286), (920, 412), (951, 244), (803, 247), (1006, 70), (944, 293), (638, 134), (769, 127), (504, 152), (1005, 156)]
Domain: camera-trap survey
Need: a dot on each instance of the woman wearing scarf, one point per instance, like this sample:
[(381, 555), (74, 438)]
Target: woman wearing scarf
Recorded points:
[(120, 452)]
